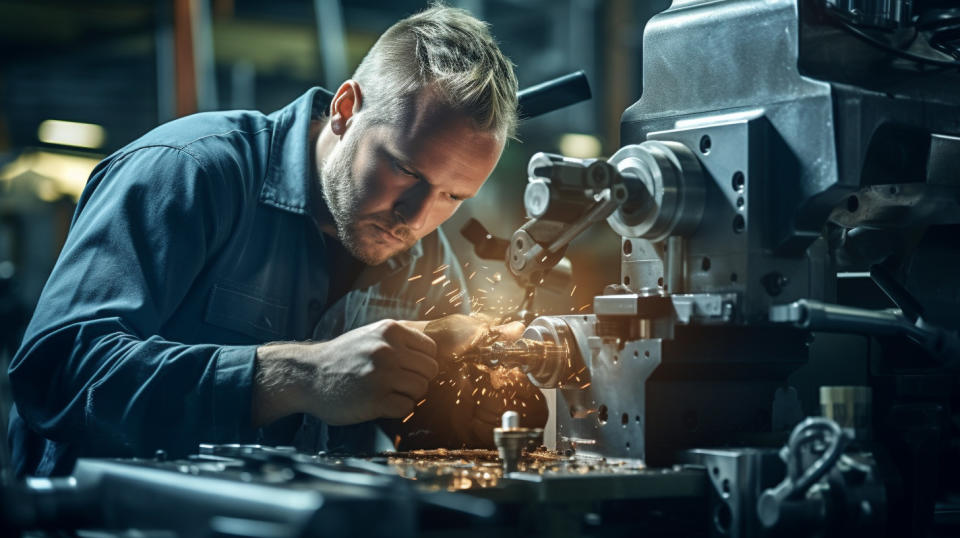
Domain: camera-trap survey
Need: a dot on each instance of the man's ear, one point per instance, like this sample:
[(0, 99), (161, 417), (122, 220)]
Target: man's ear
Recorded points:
[(345, 104)]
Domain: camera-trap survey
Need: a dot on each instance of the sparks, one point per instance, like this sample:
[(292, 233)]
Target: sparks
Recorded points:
[(441, 268), (585, 385), (490, 280), (437, 280), (473, 274), (429, 310), (420, 300), (414, 277), (584, 307), (408, 416), (420, 403), (573, 290)]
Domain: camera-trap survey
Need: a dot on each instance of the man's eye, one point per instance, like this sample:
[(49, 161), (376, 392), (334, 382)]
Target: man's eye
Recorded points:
[(455, 198), (403, 170)]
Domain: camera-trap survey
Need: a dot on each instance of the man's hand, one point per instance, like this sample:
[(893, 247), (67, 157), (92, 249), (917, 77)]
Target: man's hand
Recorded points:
[(378, 370), (458, 333), (464, 404)]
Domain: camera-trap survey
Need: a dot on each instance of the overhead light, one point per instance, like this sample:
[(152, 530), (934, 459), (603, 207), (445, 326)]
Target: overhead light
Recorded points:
[(581, 146), (52, 175), (72, 133)]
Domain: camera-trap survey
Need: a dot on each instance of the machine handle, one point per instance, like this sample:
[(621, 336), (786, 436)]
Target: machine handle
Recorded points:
[(553, 95)]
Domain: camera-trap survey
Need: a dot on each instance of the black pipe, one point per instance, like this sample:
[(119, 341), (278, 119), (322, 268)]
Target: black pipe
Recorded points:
[(553, 95)]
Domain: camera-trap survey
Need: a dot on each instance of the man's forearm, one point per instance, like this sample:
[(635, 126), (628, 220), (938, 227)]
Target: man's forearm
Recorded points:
[(279, 382)]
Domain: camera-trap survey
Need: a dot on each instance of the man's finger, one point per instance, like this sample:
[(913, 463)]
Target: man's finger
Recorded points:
[(414, 339), (408, 383), (417, 362), (509, 332), (396, 405)]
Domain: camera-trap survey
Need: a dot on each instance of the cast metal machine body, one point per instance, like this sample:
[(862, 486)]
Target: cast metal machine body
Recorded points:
[(744, 183)]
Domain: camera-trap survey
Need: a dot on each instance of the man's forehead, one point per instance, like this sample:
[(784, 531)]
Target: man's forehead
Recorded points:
[(432, 134), (427, 115)]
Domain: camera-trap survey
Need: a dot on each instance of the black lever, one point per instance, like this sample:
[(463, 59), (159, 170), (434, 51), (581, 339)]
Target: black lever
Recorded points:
[(553, 95)]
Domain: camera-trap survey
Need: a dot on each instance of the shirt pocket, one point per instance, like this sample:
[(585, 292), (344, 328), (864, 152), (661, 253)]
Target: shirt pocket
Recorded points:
[(242, 310)]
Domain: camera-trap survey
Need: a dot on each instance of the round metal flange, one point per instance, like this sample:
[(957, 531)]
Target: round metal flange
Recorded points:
[(673, 180), (551, 330)]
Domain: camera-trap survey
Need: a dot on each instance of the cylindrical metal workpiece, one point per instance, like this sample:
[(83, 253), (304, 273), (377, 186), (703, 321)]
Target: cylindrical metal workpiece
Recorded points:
[(511, 440), (510, 420)]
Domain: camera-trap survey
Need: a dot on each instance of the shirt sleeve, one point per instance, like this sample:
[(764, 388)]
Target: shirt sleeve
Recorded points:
[(91, 369)]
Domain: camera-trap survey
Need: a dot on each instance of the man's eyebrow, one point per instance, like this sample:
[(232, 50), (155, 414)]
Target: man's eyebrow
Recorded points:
[(406, 162)]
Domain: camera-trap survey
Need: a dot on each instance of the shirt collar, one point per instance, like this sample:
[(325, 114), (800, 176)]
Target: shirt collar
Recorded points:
[(289, 184), (289, 181)]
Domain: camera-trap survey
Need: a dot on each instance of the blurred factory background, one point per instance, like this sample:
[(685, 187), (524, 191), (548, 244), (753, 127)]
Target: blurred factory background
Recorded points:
[(79, 80)]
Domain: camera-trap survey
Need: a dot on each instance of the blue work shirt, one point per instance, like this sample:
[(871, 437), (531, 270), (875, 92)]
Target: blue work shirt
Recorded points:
[(189, 248)]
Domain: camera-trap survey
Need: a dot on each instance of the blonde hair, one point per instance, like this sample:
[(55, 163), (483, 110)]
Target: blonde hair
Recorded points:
[(450, 52)]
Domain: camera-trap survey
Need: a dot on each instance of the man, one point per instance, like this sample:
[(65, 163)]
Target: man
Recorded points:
[(215, 233)]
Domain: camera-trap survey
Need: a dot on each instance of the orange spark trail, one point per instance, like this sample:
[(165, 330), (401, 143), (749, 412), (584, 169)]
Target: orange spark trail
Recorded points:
[(414, 277), (437, 280)]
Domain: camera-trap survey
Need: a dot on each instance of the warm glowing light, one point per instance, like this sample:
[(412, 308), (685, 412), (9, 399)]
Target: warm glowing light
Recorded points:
[(54, 174), (581, 146), (72, 133)]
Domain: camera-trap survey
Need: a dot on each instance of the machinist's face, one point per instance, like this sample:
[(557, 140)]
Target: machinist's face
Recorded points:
[(387, 186)]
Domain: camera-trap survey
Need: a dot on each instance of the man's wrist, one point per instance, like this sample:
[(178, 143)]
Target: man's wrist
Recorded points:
[(280, 382)]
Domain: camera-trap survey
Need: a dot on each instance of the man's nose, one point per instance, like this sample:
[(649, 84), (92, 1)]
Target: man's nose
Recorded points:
[(413, 209)]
